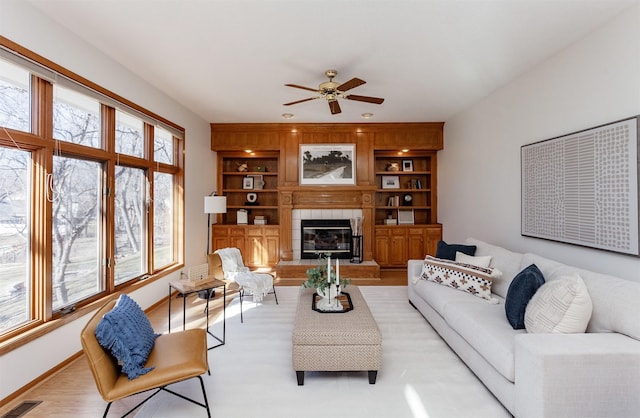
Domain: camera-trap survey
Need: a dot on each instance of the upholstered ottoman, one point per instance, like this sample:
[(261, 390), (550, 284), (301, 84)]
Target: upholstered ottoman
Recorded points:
[(348, 341)]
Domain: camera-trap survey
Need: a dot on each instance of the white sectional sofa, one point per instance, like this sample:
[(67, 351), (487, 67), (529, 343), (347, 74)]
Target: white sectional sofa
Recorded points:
[(591, 374)]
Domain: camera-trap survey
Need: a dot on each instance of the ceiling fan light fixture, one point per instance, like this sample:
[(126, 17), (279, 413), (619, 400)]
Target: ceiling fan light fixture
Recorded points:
[(287, 115), (331, 91), (367, 115)]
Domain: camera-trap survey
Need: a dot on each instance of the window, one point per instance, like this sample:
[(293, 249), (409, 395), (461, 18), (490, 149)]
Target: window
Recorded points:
[(130, 210), (162, 146), (14, 97), (14, 246), (129, 135), (84, 209), (76, 117), (162, 219), (76, 197)]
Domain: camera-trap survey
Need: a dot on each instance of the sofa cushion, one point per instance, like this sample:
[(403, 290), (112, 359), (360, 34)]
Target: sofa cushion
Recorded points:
[(448, 251), (480, 261), (465, 277), (438, 296), (521, 290), (127, 333), (484, 327), (508, 262), (615, 304), (562, 305)]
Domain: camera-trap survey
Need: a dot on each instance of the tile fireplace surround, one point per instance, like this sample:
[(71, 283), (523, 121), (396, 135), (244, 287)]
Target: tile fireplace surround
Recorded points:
[(298, 214)]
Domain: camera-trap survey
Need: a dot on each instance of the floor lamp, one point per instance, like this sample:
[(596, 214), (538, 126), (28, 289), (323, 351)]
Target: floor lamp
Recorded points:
[(213, 204)]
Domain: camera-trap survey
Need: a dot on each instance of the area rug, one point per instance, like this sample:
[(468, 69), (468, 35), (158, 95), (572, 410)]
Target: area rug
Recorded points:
[(252, 375)]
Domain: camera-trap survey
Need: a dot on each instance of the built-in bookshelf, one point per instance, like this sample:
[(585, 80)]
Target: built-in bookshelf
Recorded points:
[(405, 188)]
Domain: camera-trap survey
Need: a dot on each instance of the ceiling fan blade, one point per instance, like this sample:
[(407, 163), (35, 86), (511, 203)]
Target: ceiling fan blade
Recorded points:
[(300, 101), (334, 106), (354, 82), (376, 100), (301, 87)]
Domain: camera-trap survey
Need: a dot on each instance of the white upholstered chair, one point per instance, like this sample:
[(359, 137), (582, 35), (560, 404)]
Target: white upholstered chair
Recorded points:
[(227, 264)]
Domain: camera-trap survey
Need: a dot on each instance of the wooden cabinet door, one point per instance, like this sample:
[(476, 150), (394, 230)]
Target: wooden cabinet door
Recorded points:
[(271, 243), (398, 248), (415, 244), (254, 247), (381, 253)]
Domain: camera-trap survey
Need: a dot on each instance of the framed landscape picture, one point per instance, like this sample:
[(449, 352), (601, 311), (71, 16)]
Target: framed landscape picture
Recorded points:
[(331, 164)]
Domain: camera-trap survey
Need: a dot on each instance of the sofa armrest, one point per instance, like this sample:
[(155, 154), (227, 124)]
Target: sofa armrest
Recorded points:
[(577, 375)]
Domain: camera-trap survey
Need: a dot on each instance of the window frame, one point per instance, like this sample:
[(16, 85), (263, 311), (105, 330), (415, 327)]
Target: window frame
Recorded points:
[(41, 144)]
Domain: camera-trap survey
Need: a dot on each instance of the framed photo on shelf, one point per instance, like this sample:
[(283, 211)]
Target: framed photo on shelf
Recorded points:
[(330, 164), (390, 182), (247, 182), (258, 181), (407, 165)]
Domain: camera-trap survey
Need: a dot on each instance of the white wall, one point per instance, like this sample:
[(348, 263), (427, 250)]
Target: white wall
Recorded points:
[(26, 26), (595, 81)]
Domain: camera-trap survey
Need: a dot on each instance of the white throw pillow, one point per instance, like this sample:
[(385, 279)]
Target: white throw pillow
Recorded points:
[(562, 306), (480, 261)]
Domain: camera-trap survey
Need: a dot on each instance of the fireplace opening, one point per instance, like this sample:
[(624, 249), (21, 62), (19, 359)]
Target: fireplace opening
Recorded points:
[(325, 236)]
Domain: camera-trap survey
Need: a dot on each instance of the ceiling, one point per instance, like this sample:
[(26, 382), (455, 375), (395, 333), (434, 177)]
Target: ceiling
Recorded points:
[(228, 60)]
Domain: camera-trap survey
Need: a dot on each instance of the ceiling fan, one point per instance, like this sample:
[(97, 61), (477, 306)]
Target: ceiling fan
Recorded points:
[(331, 91)]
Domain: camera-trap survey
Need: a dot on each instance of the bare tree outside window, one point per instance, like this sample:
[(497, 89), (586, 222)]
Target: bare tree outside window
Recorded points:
[(129, 134), (162, 219), (76, 230), (14, 97), (76, 118), (129, 217), (162, 146), (15, 190)]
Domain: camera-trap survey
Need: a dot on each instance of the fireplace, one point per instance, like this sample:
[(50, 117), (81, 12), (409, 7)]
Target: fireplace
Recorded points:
[(325, 236)]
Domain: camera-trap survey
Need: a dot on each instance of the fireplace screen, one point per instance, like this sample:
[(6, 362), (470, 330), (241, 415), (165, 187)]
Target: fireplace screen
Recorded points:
[(326, 236)]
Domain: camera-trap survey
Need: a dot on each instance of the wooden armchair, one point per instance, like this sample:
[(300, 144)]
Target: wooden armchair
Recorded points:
[(176, 357)]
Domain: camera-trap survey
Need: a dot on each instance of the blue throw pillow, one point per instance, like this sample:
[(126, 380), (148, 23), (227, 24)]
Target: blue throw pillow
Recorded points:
[(521, 290), (128, 334), (448, 251)]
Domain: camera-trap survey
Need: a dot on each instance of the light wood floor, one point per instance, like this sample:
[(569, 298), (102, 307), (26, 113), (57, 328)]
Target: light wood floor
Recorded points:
[(71, 392)]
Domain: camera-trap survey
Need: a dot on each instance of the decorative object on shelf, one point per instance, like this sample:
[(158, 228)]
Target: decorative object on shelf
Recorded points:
[(242, 217), (393, 166), (213, 204), (260, 169), (390, 182), (247, 182), (327, 282), (252, 199), (259, 220), (328, 164), (407, 199), (356, 238), (407, 165), (242, 167), (405, 217)]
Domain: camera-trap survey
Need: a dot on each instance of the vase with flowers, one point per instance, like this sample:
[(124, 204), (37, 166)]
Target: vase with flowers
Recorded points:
[(326, 279)]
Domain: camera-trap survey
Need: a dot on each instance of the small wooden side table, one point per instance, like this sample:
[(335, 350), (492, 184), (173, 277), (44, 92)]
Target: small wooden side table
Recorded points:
[(207, 285)]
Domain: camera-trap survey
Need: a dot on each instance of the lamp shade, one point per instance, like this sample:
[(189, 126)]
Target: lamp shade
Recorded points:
[(215, 204)]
